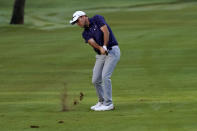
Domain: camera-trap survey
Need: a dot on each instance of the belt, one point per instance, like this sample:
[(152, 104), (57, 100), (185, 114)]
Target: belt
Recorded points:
[(110, 48)]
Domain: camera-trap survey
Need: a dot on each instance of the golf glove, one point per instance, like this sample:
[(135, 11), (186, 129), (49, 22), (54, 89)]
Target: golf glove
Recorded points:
[(104, 47)]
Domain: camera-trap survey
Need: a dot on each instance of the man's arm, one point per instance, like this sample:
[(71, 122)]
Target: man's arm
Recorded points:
[(105, 31), (93, 43)]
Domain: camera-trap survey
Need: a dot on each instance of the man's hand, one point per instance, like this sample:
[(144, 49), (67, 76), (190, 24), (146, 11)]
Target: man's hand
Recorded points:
[(104, 47), (102, 50), (106, 51)]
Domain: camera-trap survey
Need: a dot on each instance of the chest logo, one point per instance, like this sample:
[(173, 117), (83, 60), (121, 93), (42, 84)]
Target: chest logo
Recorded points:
[(95, 27)]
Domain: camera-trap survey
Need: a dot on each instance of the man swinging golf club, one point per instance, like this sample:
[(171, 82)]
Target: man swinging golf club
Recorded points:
[(100, 36)]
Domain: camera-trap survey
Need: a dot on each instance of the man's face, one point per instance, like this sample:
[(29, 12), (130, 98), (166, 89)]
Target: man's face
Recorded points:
[(81, 21)]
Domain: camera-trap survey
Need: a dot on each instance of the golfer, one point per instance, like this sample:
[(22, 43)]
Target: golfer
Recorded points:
[(100, 36)]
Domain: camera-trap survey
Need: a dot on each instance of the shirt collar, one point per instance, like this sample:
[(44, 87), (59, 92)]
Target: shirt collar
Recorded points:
[(91, 23)]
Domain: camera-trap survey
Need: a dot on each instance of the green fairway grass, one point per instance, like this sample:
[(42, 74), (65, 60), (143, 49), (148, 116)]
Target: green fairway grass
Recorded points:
[(154, 84)]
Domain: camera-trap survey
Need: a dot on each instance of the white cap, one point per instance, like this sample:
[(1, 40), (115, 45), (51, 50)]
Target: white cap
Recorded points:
[(76, 15)]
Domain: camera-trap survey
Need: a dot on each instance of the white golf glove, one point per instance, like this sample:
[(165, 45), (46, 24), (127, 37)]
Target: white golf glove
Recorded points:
[(105, 47)]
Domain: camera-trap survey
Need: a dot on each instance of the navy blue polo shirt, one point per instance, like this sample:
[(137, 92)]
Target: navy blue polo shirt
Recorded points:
[(94, 31)]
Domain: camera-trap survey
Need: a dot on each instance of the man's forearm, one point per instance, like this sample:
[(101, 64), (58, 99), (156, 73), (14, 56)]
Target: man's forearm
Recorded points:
[(94, 44), (106, 38), (105, 35)]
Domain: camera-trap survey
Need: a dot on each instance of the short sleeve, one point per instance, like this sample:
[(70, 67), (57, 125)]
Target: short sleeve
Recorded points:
[(86, 36), (100, 21)]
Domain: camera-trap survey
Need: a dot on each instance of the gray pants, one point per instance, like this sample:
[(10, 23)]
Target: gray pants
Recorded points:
[(102, 72)]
